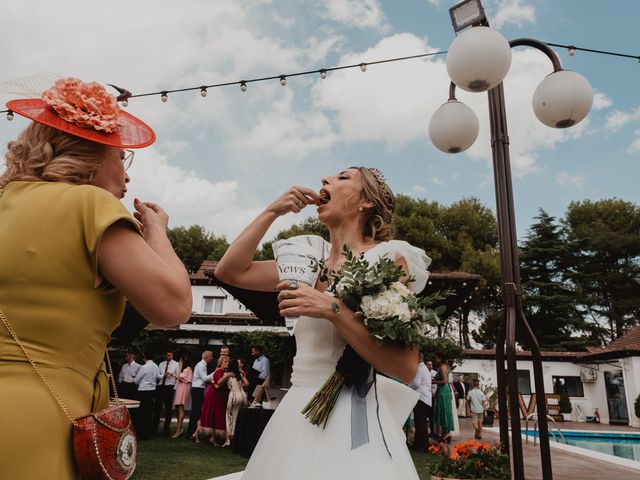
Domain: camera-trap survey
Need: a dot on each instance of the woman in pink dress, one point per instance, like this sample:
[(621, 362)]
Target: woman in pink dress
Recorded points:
[(214, 408), (182, 390)]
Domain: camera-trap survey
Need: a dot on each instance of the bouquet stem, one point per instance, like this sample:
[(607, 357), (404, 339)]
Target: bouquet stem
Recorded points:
[(320, 406)]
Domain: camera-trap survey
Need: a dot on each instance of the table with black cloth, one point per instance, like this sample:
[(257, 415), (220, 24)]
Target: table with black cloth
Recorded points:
[(249, 426)]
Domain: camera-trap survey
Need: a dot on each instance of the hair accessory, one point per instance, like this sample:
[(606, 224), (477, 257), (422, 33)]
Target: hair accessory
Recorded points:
[(85, 110), (386, 191)]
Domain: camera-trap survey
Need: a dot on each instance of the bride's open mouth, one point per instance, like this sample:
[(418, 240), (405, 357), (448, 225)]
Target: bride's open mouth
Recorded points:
[(324, 198)]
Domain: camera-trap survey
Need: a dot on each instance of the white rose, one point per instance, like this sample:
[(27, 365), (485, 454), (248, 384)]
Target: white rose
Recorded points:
[(401, 288), (341, 286)]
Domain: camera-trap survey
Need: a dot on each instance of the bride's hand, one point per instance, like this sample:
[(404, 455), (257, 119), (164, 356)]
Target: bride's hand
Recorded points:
[(293, 200), (304, 300)]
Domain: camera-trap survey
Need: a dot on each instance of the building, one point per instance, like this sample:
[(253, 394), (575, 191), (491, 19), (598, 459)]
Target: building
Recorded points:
[(605, 378)]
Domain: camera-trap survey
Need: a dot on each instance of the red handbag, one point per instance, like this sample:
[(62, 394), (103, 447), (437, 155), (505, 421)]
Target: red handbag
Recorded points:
[(104, 442)]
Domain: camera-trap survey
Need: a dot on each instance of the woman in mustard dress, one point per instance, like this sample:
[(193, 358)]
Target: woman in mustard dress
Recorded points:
[(69, 255)]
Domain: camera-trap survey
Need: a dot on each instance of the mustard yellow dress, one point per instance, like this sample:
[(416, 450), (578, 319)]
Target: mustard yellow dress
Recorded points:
[(49, 237)]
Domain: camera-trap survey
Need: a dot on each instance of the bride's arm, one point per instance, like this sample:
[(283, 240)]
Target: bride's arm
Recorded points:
[(237, 266)]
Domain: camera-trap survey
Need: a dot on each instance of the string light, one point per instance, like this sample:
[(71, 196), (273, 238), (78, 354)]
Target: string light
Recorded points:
[(164, 94), (9, 115)]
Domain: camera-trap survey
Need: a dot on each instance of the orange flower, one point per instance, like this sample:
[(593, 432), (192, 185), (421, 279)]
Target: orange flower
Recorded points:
[(454, 456), (87, 105)]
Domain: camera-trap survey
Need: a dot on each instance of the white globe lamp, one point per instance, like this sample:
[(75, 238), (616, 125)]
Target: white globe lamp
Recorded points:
[(478, 59), (562, 99), (453, 127)]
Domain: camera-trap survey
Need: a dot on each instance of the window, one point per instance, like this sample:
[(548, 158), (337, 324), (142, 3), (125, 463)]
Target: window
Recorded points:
[(572, 386), (213, 304), (524, 381)]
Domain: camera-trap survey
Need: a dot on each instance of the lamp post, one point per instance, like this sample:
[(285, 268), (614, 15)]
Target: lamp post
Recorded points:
[(477, 61)]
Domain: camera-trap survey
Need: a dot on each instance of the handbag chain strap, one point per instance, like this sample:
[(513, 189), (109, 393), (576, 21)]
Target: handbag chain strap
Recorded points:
[(35, 367)]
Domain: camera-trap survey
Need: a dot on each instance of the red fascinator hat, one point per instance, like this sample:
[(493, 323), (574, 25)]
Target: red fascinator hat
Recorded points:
[(88, 111)]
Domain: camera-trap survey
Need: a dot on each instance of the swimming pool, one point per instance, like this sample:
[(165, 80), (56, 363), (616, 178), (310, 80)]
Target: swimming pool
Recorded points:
[(622, 445)]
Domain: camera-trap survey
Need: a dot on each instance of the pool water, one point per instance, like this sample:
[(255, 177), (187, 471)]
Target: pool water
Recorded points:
[(623, 445)]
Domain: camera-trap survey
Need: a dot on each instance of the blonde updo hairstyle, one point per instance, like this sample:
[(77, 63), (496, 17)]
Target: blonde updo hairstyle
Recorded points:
[(42, 153), (378, 220)]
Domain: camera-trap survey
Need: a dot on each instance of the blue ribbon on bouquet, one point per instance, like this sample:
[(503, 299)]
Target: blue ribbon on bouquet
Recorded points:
[(360, 377)]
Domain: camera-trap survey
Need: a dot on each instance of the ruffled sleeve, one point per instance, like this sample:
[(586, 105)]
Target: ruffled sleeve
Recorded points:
[(417, 260)]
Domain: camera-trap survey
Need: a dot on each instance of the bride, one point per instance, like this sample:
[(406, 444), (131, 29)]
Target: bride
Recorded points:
[(357, 206)]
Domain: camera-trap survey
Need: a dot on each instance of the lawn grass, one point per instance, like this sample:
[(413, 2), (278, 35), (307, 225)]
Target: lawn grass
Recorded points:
[(172, 459)]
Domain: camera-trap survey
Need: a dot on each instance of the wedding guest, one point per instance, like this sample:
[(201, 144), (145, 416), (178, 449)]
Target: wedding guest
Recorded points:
[(237, 398), (260, 370), (126, 386), (443, 413), (198, 385), (243, 372), (169, 371), (214, 408), (224, 351), (434, 387), (422, 384), (182, 390), (478, 403), (70, 253), (461, 396), (146, 380)]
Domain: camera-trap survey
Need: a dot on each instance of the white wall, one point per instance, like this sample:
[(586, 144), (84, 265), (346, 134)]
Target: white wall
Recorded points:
[(230, 304), (594, 393), (631, 373)]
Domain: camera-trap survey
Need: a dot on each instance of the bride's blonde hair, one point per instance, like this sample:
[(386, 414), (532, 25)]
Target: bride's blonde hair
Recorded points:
[(377, 221), (42, 153)]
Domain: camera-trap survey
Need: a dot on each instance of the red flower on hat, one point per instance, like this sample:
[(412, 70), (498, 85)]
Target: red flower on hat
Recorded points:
[(86, 105)]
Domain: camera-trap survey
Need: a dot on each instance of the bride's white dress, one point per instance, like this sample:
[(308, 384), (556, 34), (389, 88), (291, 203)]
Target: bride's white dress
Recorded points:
[(291, 448)]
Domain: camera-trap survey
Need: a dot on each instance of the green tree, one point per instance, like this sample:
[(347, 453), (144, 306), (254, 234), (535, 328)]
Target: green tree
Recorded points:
[(550, 302), (604, 246), (194, 244)]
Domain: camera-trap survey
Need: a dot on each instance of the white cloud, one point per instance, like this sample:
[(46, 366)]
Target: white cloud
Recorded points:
[(618, 119), (357, 13), (513, 12), (436, 181), (417, 191), (601, 101), (635, 145), (565, 179)]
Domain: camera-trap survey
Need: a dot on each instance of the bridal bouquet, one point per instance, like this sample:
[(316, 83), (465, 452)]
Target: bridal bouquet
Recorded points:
[(392, 313)]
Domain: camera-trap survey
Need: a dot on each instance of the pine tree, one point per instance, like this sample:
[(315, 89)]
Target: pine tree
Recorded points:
[(550, 303)]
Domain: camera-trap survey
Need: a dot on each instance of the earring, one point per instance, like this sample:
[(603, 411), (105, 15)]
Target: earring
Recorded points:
[(360, 209)]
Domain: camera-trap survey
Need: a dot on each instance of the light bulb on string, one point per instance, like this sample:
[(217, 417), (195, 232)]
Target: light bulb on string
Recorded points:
[(203, 91), (283, 80), (124, 103), (164, 97), (243, 86), (572, 51), (363, 67), (9, 115), (323, 74)]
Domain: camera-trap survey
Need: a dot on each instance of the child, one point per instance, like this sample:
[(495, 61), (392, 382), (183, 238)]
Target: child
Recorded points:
[(478, 404)]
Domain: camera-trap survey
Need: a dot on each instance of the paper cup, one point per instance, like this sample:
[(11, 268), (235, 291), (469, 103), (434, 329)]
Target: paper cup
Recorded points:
[(297, 259)]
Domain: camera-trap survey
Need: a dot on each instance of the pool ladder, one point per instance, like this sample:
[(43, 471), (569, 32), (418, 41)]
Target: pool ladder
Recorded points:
[(534, 417)]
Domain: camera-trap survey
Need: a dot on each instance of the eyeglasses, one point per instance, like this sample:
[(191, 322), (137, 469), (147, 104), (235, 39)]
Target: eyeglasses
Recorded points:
[(127, 158)]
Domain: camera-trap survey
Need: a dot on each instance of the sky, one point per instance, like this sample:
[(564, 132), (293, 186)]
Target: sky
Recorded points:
[(220, 160)]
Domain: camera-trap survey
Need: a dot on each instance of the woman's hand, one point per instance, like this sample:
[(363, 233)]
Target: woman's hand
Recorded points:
[(293, 200), (304, 300), (153, 219)]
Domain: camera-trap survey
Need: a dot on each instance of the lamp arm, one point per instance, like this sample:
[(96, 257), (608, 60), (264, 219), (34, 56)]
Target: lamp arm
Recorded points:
[(543, 47)]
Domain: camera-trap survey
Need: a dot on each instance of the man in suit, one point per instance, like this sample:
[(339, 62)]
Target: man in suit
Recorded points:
[(461, 389), (198, 385), (169, 370)]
